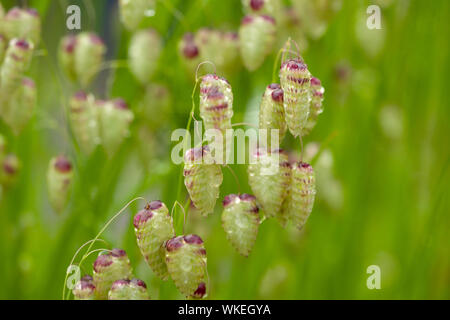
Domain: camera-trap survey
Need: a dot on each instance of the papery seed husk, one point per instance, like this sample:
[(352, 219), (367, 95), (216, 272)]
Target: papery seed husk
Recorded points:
[(125, 289), (316, 108), (271, 113), (66, 56), (23, 24), (59, 182), (189, 53), (88, 57), (186, 262), (202, 178), (257, 36), (132, 12), (295, 80), (84, 289), (143, 54), (240, 220), (9, 170), (154, 226)]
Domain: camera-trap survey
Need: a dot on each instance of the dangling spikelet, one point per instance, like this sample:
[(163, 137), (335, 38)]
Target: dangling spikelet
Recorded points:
[(132, 12), (295, 81), (269, 178), (186, 262), (114, 123), (59, 181), (23, 24), (17, 60), (154, 226), (257, 36), (19, 109), (109, 268), (84, 289), (189, 53), (240, 220), (66, 56), (143, 54), (216, 102), (83, 117), (200, 293), (125, 289), (88, 57), (9, 170), (271, 112), (316, 104), (302, 193), (202, 178)]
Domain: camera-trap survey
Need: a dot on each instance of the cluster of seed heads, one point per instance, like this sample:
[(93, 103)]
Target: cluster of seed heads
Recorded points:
[(19, 35)]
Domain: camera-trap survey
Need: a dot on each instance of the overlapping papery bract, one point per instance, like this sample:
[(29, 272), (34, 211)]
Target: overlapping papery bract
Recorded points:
[(59, 181), (257, 36), (143, 54), (269, 178), (186, 262), (84, 289), (317, 92), (271, 112), (126, 289), (240, 220), (108, 268), (153, 226), (202, 178), (295, 80)]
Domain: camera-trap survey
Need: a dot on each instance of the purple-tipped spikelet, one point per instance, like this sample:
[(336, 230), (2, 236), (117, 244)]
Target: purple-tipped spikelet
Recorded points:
[(153, 226), (17, 60), (186, 262), (271, 112), (89, 53), (189, 53), (19, 109), (240, 220), (155, 107), (84, 289), (216, 103), (200, 293), (114, 122), (125, 289), (83, 115), (9, 170), (59, 181), (269, 178), (257, 36), (143, 54), (317, 92), (295, 80), (202, 178), (108, 268), (66, 55), (132, 12), (23, 24), (301, 194), (273, 8)]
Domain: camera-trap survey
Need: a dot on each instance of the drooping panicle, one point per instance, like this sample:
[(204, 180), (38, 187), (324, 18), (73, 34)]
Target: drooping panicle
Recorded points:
[(186, 262), (153, 226), (125, 289), (108, 268), (271, 112), (59, 182), (84, 289), (269, 177), (295, 81), (202, 178), (257, 35), (240, 220), (143, 54)]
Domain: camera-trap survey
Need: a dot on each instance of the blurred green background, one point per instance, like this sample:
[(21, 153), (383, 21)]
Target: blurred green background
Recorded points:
[(383, 173)]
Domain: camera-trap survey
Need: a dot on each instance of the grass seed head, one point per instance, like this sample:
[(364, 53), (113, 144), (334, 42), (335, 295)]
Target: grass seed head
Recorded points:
[(125, 289), (316, 109), (66, 55), (186, 262), (59, 182), (153, 226), (132, 12), (271, 112), (23, 24), (143, 54), (84, 289), (257, 36), (295, 80), (9, 171), (89, 54)]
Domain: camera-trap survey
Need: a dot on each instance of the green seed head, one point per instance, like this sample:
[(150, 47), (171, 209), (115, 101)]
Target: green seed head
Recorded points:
[(257, 36), (295, 80), (202, 178), (189, 52), (23, 24), (59, 181), (240, 220), (143, 54), (125, 289), (84, 289), (316, 109), (89, 54), (153, 226), (132, 12), (66, 55), (186, 262), (108, 268), (271, 112), (9, 171)]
